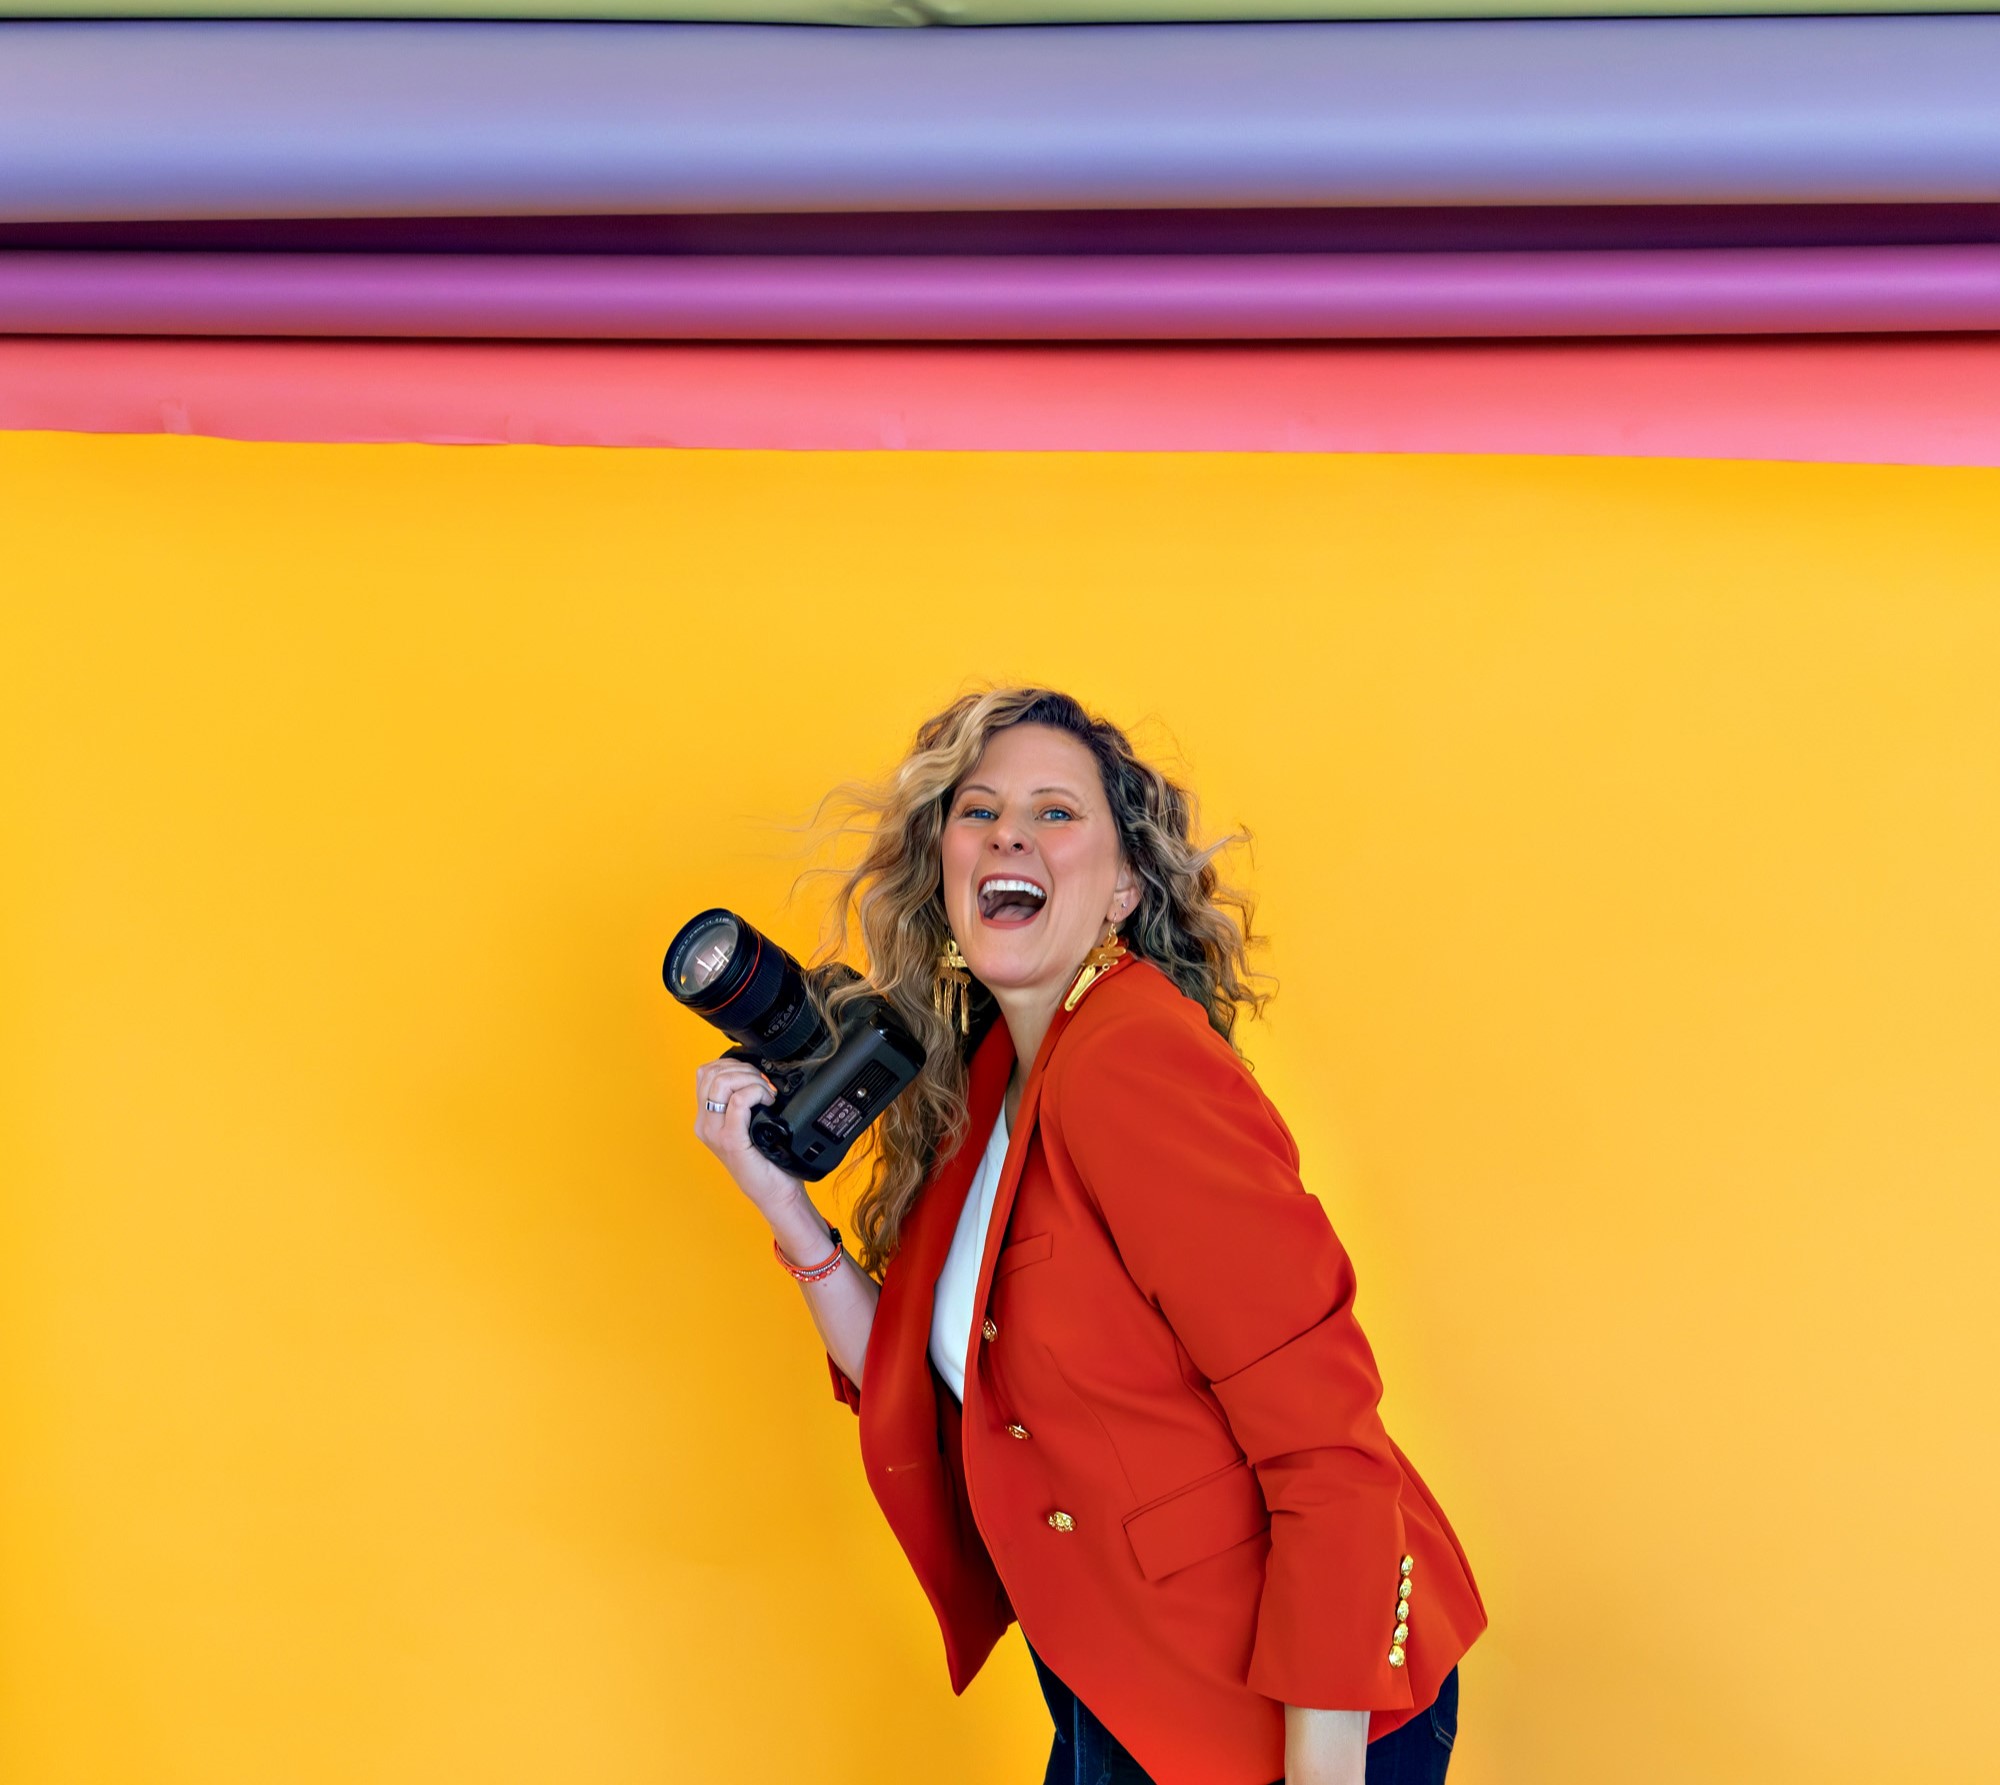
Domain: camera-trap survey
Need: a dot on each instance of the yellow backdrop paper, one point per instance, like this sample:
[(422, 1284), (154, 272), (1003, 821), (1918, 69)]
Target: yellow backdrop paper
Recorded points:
[(395, 1393)]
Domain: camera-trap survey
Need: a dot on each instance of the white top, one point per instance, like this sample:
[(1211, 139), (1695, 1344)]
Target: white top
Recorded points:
[(958, 1279)]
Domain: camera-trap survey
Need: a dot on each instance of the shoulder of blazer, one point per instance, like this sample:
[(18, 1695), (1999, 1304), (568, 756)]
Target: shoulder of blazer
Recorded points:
[(1139, 1010)]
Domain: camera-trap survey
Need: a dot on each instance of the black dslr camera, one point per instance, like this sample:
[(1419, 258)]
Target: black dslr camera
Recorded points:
[(761, 998)]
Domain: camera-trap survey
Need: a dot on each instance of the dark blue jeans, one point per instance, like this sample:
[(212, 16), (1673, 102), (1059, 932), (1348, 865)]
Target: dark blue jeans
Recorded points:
[(1086, 1753)]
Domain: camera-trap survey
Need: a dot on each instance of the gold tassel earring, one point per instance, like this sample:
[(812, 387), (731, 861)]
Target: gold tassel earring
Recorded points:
[(950, 990), (1106, 954)]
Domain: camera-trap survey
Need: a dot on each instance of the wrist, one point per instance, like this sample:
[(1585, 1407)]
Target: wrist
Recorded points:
[(800, 1232), (820, 1268)]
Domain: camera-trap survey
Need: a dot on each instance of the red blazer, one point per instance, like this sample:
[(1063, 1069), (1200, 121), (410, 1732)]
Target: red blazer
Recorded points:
[(1169, 1465)]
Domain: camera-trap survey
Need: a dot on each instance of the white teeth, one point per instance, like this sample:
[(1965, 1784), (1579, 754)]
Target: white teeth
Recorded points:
[(1020, 886)]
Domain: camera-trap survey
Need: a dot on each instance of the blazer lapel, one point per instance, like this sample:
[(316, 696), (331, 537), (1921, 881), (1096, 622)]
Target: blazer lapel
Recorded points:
[(1019, 1137), (899, 1424), (899, 1413)]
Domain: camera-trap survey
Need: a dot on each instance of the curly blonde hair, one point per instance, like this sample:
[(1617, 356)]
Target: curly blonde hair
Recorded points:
[(1189, 923)]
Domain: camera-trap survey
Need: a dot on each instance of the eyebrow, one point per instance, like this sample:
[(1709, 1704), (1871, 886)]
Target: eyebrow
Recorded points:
[(981, 787)]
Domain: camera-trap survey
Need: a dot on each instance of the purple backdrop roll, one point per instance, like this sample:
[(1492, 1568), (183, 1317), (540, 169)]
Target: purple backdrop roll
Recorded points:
[(1132, 297)]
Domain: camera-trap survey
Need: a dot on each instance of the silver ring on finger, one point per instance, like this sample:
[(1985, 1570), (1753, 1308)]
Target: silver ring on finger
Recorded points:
[(714, 1108)]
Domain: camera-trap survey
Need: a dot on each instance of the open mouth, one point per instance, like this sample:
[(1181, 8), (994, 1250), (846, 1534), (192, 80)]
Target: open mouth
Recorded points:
[(1010, 902)]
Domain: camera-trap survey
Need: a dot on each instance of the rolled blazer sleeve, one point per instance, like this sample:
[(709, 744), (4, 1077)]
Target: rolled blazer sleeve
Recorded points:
[(845, 1388), (1197, 1181)]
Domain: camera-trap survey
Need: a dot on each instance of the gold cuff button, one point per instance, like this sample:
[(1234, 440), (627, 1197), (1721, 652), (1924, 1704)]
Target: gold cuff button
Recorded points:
[(988, 1331), (1408, 1563), (1018, 1431), (1402, 1633), (1403, 1590), (1062, 1521), (1396, 1656)]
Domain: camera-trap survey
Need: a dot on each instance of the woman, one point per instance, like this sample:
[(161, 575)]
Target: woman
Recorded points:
[(1111, 1384)]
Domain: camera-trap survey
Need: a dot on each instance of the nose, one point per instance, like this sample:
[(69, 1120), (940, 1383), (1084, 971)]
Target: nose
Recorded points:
[(1006, 840)]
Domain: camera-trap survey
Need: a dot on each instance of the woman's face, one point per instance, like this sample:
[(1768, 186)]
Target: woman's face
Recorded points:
[(1033, 870)]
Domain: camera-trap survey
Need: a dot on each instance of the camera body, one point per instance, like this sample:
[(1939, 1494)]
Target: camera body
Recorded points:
[(829, 1086), (825, 1105)]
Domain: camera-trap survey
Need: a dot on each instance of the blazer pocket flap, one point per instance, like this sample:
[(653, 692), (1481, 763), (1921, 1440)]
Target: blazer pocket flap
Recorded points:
[(1031, 1250), (1197, 1521)]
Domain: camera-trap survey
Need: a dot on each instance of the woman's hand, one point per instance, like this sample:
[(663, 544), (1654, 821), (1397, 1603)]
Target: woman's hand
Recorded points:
[(842, 1304), (1325, 1747), (740, 1088)]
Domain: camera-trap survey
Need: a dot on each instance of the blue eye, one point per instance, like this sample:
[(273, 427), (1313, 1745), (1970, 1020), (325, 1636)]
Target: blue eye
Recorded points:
[(1057, 812), (977, 812)]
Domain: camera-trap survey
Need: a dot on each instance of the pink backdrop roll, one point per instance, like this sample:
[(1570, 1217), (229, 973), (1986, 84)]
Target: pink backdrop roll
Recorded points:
[(1912, 400)]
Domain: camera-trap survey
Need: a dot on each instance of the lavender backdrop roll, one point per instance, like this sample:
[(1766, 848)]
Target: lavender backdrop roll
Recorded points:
[(1133, 297), (243, 119)]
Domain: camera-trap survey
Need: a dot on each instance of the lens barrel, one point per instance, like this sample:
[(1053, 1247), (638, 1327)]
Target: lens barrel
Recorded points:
[(725, 971)]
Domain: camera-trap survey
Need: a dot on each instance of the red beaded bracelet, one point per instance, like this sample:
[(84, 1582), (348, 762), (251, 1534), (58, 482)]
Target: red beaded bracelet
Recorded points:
[(812, 1273)]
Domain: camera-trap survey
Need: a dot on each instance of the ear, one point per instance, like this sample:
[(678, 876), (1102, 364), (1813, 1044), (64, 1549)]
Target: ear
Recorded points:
[(1124, 893)]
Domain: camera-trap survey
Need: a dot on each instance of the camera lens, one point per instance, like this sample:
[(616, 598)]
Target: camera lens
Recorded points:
[(709, 946), (743, 983)]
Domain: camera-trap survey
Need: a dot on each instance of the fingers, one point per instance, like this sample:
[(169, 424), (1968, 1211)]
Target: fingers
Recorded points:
[(738, 1088), (715, 1081)]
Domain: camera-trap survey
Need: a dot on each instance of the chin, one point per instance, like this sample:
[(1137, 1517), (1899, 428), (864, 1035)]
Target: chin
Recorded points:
[(998, 976), (998, 973)]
